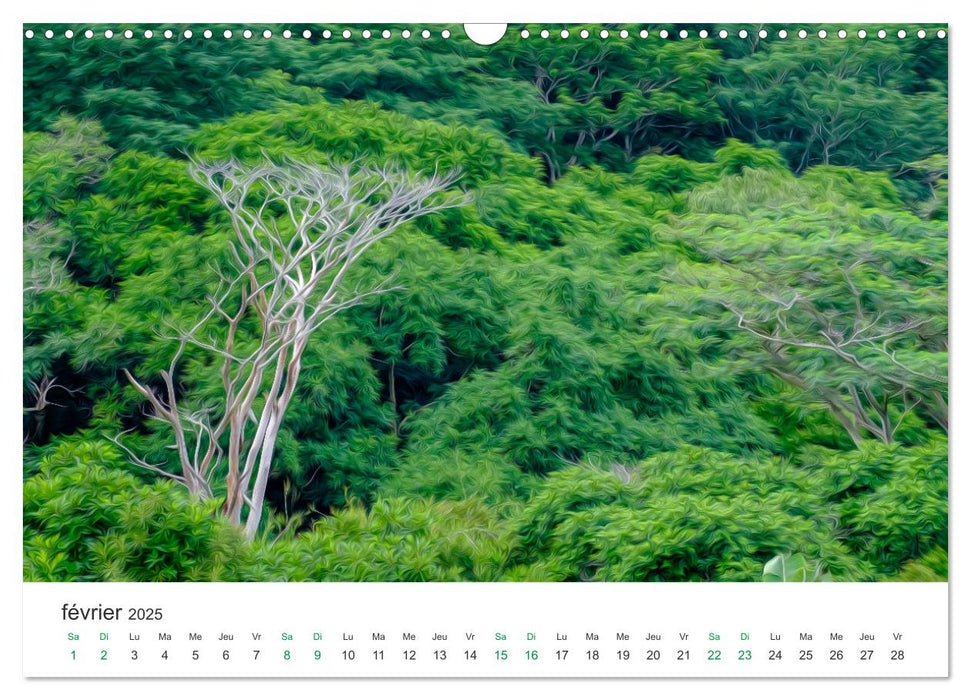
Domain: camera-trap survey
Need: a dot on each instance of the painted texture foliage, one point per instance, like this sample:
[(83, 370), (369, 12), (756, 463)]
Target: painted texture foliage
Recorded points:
[(688, 312)]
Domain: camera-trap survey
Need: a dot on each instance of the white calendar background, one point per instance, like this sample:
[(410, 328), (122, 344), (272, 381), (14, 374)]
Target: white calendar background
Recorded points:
[(486, 630), (920, 608)]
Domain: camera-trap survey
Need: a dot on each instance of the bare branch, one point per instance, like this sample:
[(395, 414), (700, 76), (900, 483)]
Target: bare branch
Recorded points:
[(138, 461), (298, 229)]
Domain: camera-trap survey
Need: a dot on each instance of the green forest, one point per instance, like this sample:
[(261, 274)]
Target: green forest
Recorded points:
[(395, 308)]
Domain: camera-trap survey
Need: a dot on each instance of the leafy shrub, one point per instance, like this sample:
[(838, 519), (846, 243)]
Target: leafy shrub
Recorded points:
[(58, 164), (91, 523), (362, 130), (737, 156), (895, 505), (670, 174), (690, 515), (457, 475), (398, 539), (78, 452), (750, 191), (864, 188)]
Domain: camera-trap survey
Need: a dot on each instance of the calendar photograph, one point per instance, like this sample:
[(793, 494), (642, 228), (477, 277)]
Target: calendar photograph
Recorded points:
[(587, 303)]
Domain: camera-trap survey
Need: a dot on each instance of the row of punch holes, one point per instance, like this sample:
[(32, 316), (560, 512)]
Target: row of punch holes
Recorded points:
[(524, 34)]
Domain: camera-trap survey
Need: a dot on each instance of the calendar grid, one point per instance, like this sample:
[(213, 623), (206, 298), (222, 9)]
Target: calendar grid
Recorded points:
[(486, 630)]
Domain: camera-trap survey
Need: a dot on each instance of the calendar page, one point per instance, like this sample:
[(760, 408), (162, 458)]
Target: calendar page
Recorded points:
[(485, 351)]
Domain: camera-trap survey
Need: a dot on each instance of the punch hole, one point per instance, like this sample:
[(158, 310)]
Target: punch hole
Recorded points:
[(485, 34)]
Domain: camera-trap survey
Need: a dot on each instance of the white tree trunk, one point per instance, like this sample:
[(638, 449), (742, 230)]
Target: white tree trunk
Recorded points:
[(287, 274)]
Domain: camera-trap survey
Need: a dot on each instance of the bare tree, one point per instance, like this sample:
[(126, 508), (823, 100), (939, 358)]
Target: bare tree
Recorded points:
[(857, 373), (298, 230), (37, 400)]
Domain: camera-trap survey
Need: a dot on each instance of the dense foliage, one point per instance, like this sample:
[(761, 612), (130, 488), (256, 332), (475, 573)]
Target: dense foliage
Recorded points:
[(690, 318)]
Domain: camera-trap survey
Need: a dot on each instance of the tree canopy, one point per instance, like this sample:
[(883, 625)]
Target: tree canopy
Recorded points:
[(677, 307)]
